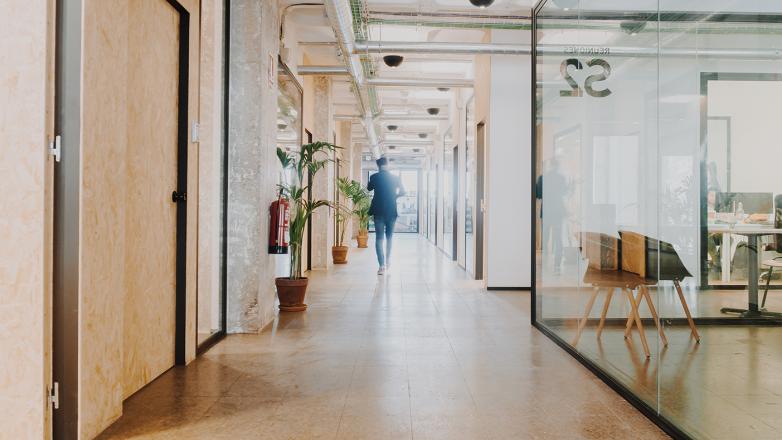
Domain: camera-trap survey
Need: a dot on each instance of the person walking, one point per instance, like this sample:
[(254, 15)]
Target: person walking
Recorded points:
[(387, 188)]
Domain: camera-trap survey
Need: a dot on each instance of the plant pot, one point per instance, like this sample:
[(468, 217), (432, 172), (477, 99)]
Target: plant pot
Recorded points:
[(291, 294), (339, 254), (362, 238)]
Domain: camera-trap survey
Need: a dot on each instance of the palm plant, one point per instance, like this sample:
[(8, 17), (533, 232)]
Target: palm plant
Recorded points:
[(360, 199), (310, 159)]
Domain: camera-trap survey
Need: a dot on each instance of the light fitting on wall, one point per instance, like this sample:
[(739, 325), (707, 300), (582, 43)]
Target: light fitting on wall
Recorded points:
[(392, 127), (393, 60), (482, 3), (392, 147), (443, 89), (416, 150), (434, 111), (422, 135), (282, 126)]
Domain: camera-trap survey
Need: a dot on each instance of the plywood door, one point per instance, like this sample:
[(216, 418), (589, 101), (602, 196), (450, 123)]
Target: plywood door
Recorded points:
[(151, 170)]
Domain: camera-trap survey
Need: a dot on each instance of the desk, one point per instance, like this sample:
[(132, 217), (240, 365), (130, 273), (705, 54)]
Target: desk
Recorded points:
[(752, 232)]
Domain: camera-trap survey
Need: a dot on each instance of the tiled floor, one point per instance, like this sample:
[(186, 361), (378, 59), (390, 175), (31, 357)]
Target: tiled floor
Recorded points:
[(422, 353)]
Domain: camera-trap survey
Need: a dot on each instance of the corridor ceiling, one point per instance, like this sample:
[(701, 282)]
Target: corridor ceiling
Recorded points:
[(385, 21)]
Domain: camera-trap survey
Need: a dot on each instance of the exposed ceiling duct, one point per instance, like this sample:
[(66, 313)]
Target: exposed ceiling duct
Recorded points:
[(431, 47), (341, 19), (424, 82), (322, 70)]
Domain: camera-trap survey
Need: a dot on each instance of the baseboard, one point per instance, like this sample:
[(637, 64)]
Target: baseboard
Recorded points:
[(525, 289)]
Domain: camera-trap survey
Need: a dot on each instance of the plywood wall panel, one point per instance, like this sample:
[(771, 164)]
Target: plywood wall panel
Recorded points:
[(104, 143)]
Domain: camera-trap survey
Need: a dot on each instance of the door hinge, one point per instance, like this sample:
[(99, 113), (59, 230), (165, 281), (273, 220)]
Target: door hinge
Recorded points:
[(54, 148), (54, 395)]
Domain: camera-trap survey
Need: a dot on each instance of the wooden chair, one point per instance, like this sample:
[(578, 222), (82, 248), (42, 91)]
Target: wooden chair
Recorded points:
[(604, 271), (653, 261)]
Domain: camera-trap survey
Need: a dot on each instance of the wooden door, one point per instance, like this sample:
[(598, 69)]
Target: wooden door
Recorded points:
[(151, 166)]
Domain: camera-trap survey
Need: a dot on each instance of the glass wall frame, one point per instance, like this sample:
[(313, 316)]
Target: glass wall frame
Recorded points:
[(637, 164)]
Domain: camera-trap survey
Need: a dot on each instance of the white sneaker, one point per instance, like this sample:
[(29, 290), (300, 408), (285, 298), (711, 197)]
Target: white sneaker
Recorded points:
[(381, 271)]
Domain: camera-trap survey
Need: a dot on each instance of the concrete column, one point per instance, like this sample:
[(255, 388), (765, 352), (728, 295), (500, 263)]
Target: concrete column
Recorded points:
[(323, 184), (253, 170), (357, 149)]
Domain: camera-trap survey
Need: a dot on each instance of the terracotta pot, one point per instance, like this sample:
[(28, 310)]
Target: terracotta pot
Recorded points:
[(339, 254), (362, 238), (291, 294)]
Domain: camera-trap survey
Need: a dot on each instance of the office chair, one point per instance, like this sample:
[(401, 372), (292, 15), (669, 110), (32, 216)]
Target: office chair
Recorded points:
[(776, 247)]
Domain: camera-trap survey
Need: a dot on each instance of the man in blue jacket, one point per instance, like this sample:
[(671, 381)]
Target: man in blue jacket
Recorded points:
[(387, 188)]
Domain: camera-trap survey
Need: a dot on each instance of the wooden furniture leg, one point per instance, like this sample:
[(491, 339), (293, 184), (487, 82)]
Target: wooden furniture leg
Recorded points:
[(609, 295), (693, 330), (654, 314), (630, 317), (637, 317), (584, 319)]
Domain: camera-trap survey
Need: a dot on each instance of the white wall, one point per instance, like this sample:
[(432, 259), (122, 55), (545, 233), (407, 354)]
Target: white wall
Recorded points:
[(508, 169)]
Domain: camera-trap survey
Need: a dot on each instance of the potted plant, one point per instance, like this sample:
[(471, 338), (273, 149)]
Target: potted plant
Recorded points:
[(310, 159), (339, 252), (360, 198)]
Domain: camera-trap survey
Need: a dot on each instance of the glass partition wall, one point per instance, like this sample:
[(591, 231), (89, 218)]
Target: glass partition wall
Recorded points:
[(657, 204)]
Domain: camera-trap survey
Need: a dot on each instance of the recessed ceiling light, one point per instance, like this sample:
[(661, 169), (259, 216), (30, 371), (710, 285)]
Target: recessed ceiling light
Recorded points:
[(482, 3), (393, 60), (434, 111), (392, 127)]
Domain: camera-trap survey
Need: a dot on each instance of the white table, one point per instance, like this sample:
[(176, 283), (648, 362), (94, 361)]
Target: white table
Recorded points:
[(752, 232)]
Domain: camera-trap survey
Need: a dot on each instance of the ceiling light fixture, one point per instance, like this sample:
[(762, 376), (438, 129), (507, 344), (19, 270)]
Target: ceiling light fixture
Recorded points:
[(392, 147), (392, 127), (443, 89), (434, 111), (416, 150), (393, 60), (422, 135), (482, 3)]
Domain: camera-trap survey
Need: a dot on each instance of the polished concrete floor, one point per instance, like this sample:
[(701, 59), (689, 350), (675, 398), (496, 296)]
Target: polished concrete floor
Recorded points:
[(422, 353)]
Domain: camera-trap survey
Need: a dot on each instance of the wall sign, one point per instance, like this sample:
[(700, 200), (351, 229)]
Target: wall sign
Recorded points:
[(589, 82)]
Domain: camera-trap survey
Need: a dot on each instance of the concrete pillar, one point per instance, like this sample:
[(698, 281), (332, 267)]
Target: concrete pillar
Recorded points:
[(357, 149), (323, 184), (253, 170)]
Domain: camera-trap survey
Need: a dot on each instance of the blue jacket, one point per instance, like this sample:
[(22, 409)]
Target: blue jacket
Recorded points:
[(387, 188)]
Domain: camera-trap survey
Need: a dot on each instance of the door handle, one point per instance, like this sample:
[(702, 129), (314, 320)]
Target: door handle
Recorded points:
[(178, 197)]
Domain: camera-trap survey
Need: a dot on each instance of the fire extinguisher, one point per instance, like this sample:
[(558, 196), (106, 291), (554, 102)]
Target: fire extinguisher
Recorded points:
[(278, 226)]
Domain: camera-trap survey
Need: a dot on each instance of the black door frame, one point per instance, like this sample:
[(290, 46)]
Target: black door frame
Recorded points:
[(455, 207), (180, 349), (480, 173)]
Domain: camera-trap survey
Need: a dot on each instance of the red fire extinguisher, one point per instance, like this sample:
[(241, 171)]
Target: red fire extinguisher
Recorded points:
[(278, 226)]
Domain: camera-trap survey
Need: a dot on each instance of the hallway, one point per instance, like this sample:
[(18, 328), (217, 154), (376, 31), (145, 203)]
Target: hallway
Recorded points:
[(422, 353)]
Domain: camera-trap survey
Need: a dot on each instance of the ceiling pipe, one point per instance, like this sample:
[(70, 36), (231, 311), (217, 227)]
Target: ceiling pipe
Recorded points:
[(413, 82), (422, 118), (341, 19), (322, 70), (440, 48)]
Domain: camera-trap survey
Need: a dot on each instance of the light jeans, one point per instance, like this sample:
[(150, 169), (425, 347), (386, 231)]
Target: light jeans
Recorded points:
[(384, 231)]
